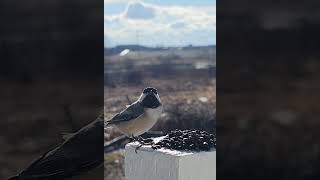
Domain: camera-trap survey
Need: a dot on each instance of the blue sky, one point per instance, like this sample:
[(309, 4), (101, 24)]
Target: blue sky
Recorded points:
[(160, 22)]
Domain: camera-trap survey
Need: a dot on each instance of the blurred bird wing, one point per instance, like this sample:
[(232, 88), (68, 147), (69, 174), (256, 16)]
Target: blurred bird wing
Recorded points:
[(79, 153), (66, 136), (131, 112)]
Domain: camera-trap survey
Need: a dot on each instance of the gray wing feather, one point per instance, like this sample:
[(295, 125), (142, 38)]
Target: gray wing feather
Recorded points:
[(131, 112), (79, 153)]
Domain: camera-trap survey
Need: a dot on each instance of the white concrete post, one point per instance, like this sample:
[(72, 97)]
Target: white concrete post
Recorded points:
[(165, 164)]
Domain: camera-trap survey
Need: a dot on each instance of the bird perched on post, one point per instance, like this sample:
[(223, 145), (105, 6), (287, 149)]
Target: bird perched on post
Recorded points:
[(83, 151), (140, 116)]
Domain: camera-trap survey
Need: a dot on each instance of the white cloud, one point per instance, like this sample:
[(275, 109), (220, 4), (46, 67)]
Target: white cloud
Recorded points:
[(139, 11), (148, 24), (178, 25)]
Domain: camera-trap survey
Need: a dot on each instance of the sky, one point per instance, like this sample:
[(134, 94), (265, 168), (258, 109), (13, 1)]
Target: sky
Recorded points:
[(159, 22)]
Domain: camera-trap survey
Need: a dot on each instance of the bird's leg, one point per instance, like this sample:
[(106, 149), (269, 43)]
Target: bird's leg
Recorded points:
[(139, 140), (142, 141), (134, 138)]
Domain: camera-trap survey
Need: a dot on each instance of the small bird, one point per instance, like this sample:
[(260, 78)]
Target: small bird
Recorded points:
[(140, 116)]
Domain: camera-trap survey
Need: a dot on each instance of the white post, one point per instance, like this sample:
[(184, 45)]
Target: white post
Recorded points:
[(165, 164)]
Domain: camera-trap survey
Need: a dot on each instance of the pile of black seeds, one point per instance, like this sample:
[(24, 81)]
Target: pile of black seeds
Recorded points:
[(187, 140)]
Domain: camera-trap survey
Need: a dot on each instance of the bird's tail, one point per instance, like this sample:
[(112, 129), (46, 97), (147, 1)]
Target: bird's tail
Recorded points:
[(13, 178)]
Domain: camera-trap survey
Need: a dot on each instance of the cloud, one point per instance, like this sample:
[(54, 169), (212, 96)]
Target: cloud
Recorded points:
[(139, 11), (178, 25), (149, 24)]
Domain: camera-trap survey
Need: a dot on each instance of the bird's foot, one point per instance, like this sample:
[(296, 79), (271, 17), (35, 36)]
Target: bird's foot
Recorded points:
[(143, 142), (138, 148)]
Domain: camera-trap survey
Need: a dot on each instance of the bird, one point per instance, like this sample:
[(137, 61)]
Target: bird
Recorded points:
[(80, 153), (140, 116), (83, 151)]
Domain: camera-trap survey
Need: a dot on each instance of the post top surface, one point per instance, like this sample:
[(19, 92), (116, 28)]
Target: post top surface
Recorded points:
[(148, 148)]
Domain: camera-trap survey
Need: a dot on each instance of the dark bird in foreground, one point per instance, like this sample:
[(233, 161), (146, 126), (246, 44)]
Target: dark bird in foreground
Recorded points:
[(81, 152)]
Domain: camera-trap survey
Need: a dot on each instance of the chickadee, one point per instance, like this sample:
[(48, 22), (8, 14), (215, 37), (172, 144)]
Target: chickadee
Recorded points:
[(140, 116)]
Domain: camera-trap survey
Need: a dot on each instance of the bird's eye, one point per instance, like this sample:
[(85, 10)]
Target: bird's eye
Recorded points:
[(149, 90)]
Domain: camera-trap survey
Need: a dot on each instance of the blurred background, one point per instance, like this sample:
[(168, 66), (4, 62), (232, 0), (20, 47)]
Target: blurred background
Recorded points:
[(167, 45), (51, 75), (268, 92)]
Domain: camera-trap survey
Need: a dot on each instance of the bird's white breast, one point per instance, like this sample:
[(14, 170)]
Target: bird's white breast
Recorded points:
[(142, 124), (154, 114)]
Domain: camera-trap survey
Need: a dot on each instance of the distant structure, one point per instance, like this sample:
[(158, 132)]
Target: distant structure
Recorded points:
[(124, 52)]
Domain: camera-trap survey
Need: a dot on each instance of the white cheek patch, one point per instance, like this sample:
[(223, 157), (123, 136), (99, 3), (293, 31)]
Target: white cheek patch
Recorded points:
[(158, 97), (142, 96)]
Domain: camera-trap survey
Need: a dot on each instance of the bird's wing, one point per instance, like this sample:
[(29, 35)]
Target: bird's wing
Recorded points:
[(131, 112), (81, 152)]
